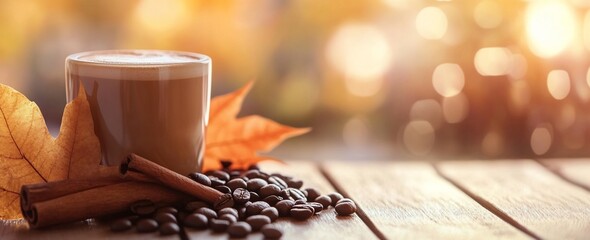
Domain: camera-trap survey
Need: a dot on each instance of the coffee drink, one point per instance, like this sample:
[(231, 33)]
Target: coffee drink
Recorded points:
[(151, 103)]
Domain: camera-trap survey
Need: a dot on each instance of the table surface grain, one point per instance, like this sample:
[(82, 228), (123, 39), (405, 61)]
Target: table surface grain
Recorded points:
[(477, 199)]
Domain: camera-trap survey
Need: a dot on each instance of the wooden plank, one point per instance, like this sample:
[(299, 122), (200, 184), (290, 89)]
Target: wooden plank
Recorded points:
[(409, 200), (528, 193), (325, 225), (574, 170)]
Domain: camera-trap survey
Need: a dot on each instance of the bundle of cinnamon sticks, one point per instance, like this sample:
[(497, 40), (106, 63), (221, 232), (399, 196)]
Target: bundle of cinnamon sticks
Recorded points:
[(51, 203)]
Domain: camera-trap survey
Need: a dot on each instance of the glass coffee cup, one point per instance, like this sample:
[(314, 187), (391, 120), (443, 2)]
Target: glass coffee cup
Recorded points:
[(149, 102)]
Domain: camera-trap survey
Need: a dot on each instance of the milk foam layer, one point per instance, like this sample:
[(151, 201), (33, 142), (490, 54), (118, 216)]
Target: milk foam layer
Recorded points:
[(146, 65)]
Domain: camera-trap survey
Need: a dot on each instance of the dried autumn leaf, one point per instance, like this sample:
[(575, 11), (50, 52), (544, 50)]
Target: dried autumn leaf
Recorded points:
[(239, 140), (28, 153)]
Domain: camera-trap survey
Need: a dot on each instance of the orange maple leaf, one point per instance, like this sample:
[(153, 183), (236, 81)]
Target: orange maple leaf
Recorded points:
[(240, 139)]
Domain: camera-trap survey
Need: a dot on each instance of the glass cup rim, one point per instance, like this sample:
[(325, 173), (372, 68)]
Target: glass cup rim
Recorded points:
[(78, 58)]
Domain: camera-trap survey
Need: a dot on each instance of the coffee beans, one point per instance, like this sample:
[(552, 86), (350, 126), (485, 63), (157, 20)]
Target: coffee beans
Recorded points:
[(256, 208), (121, 225), (241, 195), (272, 213), (200, 178), (143, 207), (196, 220), (271, 232), (335, 197), (169, 228), (147, 225), (251, 201), (345, 207), (284, 207), (239, 229)]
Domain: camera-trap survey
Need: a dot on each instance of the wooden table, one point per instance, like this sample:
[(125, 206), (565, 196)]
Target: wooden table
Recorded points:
[(507, 199)]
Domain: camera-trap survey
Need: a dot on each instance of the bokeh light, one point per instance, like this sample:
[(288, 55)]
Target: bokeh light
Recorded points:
[(161, 16), (456, 108), (558, 83), (419, 137), (431, 23), (448, 79), (493, 61), (427, 110), (541, 139), (550, 27), (488, 14)]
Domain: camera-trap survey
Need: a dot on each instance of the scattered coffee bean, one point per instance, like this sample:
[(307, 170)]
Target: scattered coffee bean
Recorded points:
[(216, 181), (256, 208), (121, 225), (301, 213), (304, 206), (228, 210), (218, 225), (236, 183), (241, 195), (234, 174), (196, 220), (345, 208), (253, 167), (270, 189), (335, 197), (272, 199), (242, 213), (143, 207), (208, 212), (147, 225), (255, 184), (223, 189), (193, 206), (169, 228), (296, 194), (271, 232), (300, 201), (343, 200), (312, 193), (221, 175), (277, 181), (200, 178), (224, 201), (251, 174), (257, 221), (295, 183), (271, 213), (134, 218), (324, 200), (317, 207), (229, 217), (170, 210), (254, 197), (164, 218), (284, 207), (239, 229)]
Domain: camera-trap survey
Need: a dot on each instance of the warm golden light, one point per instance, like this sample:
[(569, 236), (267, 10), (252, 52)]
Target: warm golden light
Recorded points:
[(455, 108), (362, 53), (541, 140), (448, 79), (550, 26), (419, 137), (488, 14), (427, 110), (493, 61), (355, 132), (492, 144), (586, 30), (518, 66), (160, 16), (431, 23), (558, 83)]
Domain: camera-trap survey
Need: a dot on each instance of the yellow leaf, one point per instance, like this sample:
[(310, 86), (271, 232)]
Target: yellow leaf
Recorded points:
[(28, 153)]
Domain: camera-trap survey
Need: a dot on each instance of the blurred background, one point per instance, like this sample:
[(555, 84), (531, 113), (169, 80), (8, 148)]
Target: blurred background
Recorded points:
[(376, 79)]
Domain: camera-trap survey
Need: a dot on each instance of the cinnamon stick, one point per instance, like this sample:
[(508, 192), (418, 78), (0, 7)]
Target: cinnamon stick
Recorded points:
[(98, 201), (33, 193), (169, 178)]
